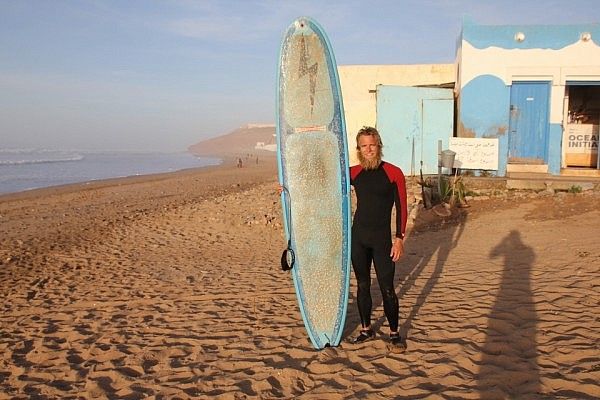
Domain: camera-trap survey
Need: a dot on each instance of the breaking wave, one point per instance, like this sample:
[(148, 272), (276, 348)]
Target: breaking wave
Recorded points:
[(34, 156)]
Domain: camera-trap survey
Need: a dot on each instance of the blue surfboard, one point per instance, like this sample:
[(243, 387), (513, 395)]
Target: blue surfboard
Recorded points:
[(312, 155)]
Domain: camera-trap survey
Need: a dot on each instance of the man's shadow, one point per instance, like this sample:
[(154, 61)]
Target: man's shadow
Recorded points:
[(509, 364), (408, 269), (411, 268)]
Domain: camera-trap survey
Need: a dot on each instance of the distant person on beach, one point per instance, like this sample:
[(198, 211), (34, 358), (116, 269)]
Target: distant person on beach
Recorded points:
[(239, 162), (379, 186)]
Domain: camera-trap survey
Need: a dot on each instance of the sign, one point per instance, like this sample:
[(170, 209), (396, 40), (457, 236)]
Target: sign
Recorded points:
[(580, 142), (475, 153)]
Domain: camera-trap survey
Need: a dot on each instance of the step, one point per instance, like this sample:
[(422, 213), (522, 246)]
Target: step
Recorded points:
[(533, 168), (527, 175), (580, 172)]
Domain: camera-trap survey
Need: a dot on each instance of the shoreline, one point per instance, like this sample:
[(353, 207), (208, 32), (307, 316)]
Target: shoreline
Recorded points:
[(227, 161)]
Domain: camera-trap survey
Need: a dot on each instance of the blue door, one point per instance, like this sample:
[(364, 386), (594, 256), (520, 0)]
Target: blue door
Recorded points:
[(438, 124), (411, 121), (528, 125)]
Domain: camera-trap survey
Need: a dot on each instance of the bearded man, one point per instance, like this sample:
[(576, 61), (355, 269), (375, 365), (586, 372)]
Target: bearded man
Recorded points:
[(379, 185)]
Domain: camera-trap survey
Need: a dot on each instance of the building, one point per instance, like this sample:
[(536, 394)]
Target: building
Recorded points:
[(534, 90), (518, 99)]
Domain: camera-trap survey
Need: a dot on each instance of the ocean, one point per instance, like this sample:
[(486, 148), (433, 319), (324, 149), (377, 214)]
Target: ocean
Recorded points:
[(26, 169)]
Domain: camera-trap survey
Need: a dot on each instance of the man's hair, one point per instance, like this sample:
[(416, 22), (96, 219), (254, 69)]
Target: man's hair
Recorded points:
[(369, 164), (369, 131)]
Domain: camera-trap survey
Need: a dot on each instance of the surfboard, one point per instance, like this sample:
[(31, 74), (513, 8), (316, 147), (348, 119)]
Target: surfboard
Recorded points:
[(312, 154)]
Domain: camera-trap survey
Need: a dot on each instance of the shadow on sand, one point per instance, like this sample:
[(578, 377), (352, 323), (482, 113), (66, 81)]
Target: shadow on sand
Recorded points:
[(509, 356)]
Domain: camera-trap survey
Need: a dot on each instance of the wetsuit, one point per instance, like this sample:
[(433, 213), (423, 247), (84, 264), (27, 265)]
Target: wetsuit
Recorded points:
[(376, 192)]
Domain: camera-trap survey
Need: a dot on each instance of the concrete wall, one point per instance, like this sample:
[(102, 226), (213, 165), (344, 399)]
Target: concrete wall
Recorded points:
[(359, 85)]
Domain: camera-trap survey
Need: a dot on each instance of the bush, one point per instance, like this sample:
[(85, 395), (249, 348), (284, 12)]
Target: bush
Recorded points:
[(453, 190)]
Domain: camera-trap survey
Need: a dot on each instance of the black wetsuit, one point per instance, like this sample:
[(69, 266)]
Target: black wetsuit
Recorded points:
[(376, 192)]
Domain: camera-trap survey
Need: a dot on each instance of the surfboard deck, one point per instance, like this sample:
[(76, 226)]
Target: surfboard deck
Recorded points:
[(312, 155)]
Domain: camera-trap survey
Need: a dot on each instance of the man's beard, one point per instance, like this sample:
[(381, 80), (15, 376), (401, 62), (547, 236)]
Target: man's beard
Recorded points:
[(369, 164)]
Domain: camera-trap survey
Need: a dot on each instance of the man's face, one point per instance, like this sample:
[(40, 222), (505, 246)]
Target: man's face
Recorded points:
[(367, 145)]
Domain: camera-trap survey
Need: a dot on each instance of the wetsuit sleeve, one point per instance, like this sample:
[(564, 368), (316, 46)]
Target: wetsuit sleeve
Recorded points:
[(396, 176)]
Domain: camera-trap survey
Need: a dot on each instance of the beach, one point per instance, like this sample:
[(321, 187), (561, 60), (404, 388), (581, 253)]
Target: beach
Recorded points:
[(169, 286)]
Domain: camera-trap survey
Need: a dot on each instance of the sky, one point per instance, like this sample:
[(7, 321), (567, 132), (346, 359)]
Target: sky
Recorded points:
[(150, 75)]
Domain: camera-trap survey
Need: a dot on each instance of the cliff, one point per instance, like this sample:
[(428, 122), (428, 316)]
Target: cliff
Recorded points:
[(240, 141)]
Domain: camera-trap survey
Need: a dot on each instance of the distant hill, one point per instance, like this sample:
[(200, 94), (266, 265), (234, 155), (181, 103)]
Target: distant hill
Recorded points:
[(240, 141)]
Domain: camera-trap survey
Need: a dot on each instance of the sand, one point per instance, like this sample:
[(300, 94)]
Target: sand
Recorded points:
[(170, 287)]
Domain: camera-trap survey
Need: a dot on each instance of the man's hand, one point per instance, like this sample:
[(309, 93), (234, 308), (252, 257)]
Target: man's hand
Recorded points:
[(397, 249)]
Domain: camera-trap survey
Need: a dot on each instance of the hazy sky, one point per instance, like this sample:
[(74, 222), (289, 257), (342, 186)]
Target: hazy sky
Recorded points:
[(162, 75)]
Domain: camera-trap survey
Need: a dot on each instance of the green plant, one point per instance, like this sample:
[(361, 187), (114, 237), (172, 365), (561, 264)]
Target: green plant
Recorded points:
[(453, 190), (459, 191), (575, 189), (445, 189)]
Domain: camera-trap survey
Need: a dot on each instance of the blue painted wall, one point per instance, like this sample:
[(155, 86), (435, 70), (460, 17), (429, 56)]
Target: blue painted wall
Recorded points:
[(554, 148), (484, 113), (537, 36)]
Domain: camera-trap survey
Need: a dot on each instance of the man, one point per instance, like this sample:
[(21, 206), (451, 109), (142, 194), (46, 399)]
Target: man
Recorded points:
[(378, 185)]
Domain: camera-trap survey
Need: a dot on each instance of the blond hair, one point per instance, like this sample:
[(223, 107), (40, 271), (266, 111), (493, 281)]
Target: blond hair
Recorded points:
[(369, 131), (373, 163)]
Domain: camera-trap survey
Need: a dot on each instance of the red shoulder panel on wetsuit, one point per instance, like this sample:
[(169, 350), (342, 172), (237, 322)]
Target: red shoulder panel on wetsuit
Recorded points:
[(354, 171)]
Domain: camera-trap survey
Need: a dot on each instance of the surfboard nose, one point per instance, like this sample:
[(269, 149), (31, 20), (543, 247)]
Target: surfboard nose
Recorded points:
[(302, 23)]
